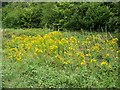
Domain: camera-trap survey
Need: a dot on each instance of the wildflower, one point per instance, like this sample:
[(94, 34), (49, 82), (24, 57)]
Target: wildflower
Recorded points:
[(68, 61), (59, 57), (35, 53), (72, 39), (95, 48), (81, 55), (69, 54), (18, 58), (53, 47), (104, 63), (13, 49), (88, 55), (65, 52), (65, 63), (9, 56), (40, 51), (70, 48), (64, 41), (87, 39), (107, 55), (13, 36), (118, 51), (92, 60), (83, 62)]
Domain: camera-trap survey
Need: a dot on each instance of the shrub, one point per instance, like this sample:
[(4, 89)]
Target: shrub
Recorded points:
[(62, 15), (24, 15), (85, 16)]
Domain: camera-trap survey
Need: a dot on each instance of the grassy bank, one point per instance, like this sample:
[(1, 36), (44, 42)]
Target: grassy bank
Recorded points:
[(43, 58)]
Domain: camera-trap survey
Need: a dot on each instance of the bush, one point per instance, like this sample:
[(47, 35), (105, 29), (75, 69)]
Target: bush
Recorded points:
[(85, 16), (24, 15), (62, 15)]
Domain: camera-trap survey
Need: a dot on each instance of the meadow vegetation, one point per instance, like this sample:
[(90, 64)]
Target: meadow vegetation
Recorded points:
[(60, 45), (64, 59)]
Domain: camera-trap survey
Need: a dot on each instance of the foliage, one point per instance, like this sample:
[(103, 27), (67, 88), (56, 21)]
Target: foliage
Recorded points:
[(60, 59), (62, 15), (24, 15)]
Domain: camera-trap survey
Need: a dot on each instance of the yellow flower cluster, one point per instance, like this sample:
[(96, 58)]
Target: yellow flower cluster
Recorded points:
[(104, 63), (59, 48)]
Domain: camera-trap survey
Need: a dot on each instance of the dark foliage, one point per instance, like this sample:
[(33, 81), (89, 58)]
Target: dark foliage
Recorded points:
[(62, 15)]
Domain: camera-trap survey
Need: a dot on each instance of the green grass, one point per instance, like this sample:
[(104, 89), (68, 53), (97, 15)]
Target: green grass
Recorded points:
[(32, 73)]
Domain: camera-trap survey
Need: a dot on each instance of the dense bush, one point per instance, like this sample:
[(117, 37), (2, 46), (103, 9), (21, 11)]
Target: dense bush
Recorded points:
[(62, 15), (21, 15)]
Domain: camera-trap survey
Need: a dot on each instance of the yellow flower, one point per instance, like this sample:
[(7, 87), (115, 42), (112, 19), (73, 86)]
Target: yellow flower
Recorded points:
[(9, 57), (95, 48), (64, 41), (118, 51), (53, 47), (65, 52), (70, 48), (14, 49), (92, 60), (18, 58), (88, 55), (35, 53), (83, 62), (65, 63), (72, 39), (107, 55), (104, 63), (40, 51), (69, 54), (87, 39), (81, 55), (68, 61), (59, 57)]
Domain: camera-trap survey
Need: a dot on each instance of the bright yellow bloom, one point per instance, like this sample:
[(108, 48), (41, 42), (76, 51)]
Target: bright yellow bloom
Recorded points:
[(83, 62), (104, 63), (72, 39), (65, 52), (18, 58), (118, 51), (69, 54), (71, 48), (40, 51), (13, 49), (64, 41), (53, 47), (67, 62), (81, 55), (88, 55), (92, 60), (95, 48)]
